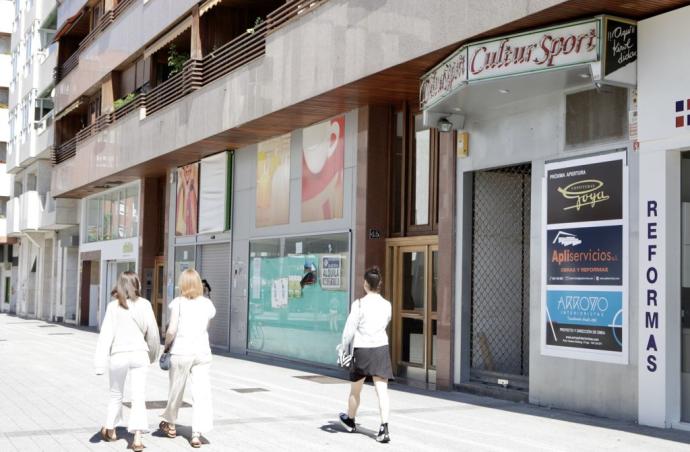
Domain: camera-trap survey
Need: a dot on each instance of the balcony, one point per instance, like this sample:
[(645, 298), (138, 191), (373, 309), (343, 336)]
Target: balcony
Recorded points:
[(3, 228), (13, 216), (59, 213), (35, 144), (6, 72), (47, 60), (4, 124), (31, 210), (5, 180)]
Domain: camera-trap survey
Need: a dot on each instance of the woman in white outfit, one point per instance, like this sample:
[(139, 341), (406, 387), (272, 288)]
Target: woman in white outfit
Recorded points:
[(129, 339), (187, 341), (365, 331)]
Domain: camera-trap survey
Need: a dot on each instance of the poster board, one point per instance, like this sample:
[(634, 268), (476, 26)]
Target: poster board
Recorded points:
[(584, 306)]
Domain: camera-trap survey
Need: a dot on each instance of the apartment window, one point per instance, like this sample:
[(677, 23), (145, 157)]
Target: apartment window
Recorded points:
[(3, 208), (18, 189), (31, 182), (4, 97), (27, 48), (97, 12), (3, 152), (5, 45), (44, 105), (94, 108)]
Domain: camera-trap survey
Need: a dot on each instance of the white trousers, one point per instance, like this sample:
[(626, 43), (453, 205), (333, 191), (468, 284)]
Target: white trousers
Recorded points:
[(136, 365), (197, 367)]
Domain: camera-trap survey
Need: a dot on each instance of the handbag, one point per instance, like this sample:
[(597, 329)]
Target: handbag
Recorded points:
[(345, 356), (164, 361)]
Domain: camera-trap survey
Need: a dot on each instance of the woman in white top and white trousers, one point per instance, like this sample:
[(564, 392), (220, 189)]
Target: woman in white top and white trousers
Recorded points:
[(130, 340), (365, 331), (187, 341)]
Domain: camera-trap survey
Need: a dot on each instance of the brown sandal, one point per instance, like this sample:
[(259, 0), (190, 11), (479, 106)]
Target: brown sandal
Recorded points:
[(108, 438), (170, 432)]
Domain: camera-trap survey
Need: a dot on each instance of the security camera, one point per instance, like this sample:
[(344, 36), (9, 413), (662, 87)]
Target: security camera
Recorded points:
[(444, 125)]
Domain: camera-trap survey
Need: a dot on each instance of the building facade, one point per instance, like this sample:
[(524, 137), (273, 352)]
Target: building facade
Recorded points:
[(6, 292), (39, 223), (495, 165)]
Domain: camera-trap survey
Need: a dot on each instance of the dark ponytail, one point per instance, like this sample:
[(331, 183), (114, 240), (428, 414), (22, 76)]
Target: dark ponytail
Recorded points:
[(373, 278)]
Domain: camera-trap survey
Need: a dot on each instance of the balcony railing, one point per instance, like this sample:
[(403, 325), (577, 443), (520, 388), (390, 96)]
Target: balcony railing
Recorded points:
[(289, 11), (133, 105), (65, 151), (179, 85), (196, 73), (108, 18), (94, 128)]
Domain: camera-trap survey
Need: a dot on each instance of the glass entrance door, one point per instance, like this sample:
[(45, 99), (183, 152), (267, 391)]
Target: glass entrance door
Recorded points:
[(114, 269), (414, 298), (158, 289)]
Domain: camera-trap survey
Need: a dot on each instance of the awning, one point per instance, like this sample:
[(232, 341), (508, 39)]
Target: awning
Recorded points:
[(176, 31), (208, 5), (70, 108), (69, 24)]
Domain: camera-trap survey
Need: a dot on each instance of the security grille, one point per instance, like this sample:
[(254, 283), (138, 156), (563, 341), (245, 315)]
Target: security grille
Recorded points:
[(500, 272), (215, 268)]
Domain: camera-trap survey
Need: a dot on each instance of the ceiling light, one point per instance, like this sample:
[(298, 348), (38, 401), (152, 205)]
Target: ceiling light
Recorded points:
[(584, 75), (503, 91), (457, 109)]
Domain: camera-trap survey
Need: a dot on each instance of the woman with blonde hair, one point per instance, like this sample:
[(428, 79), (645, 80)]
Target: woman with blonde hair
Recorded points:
[(130, 341), (190, 356)]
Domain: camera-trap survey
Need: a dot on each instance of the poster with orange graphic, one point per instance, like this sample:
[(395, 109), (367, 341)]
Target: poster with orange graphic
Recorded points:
[(323, 165), (187, 215), (273, 182)]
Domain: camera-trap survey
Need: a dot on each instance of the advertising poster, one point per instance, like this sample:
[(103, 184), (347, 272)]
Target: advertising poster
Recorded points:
[(213, 193), (187, 214), (331, 272), (585, 256), (273, 182), (323, 163), (592, 192), (585, 319), (584, 288)]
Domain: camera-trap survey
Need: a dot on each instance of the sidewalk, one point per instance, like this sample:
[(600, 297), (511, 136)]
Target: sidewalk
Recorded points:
[(50, 400)]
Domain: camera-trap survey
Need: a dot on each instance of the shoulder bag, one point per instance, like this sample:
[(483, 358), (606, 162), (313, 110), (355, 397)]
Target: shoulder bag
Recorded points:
[(164, 361), (345, 356)]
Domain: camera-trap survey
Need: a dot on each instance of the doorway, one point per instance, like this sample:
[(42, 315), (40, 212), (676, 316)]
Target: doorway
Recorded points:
[(413, 264), (685, 288), (500, 276), (90, 284), (158, 289), (113, 271)]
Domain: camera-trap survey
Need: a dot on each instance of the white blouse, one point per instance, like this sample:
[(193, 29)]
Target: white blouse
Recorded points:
[(367, 322), (189, 325)]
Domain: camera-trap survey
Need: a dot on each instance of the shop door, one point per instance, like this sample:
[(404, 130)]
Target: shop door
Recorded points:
[(114, 270), (85, 293), (413, 293), (500, 277), (215, 269), (158, 289)]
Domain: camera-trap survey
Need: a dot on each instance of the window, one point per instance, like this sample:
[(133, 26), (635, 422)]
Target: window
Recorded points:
[(3, 208), (112, 215), (596, 115), (44, 105), (3, 152), (5, 45), (4, 97)]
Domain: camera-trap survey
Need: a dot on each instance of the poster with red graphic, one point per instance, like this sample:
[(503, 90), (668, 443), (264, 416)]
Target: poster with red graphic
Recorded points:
[(186, 217), (323, 162)]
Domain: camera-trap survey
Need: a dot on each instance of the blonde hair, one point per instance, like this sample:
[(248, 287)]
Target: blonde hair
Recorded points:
[(190, 284)]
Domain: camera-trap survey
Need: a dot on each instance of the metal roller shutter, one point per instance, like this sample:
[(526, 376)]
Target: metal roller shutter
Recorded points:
[(215, 268)]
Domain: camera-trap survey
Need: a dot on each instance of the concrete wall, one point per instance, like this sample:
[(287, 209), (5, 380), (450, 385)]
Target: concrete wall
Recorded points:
[(244, 217), (532, 131), (352, 38), (663, 80)]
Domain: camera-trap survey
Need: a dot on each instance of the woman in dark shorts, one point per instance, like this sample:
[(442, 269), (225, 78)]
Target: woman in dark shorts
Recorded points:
[(365, 330)]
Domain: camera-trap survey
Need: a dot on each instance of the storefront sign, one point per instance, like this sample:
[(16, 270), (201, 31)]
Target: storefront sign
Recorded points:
[(445, 78), (608, 42), (584, 320), (585, 193), (584, 291), (621, 45), (537, 51), (331, 272), (585, 256)]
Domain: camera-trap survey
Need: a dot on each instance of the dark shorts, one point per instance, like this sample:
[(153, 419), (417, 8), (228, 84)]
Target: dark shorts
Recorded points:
[(371, 362)]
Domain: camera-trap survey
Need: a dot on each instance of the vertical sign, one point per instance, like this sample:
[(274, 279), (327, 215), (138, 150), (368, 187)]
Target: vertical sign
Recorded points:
[(584, 276), (652, 373)]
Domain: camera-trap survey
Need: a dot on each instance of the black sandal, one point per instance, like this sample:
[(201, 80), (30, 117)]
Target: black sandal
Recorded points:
[(170, 432), (108, 438)]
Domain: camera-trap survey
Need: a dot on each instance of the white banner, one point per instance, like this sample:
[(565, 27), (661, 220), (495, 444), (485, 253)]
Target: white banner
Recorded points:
[(213, 193)]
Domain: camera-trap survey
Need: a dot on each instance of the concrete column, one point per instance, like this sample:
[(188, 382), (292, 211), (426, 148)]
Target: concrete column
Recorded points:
[(659, 288), (446, 259), (196, 52)]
